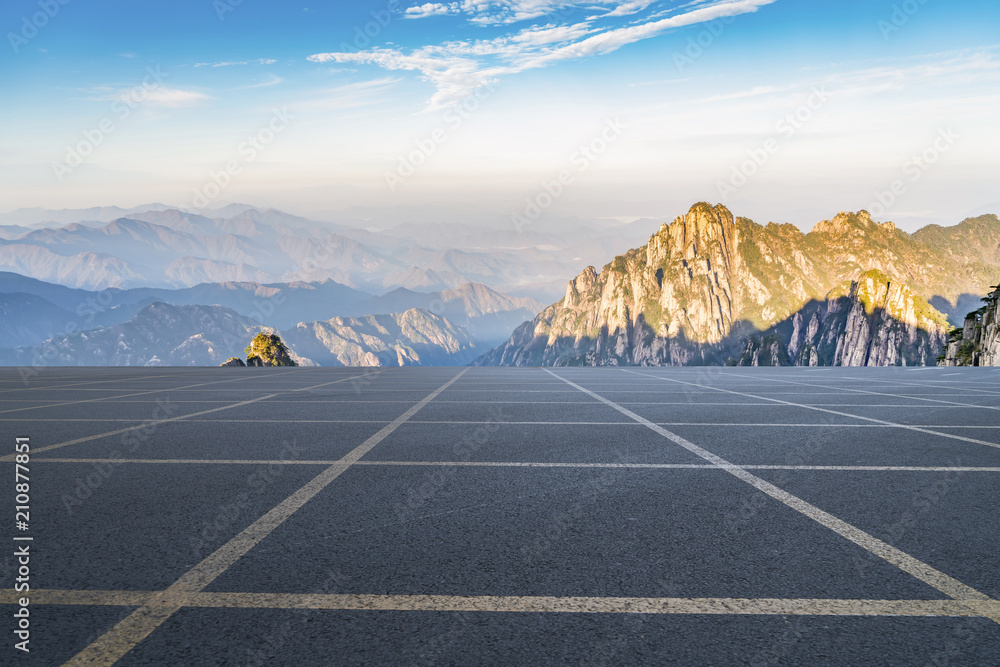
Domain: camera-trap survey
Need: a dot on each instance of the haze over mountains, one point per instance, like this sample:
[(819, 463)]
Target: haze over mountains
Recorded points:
[(156, 246), (156, 285), (105, 267)]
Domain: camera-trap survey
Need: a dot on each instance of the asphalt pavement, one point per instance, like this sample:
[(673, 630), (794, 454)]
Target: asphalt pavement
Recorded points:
[(611, 516)]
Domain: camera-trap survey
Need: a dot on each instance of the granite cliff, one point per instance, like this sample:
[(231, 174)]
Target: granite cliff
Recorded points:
[(852, 291), (977, 341)]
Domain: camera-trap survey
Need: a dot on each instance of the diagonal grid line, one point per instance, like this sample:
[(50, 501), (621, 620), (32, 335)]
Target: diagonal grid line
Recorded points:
[(917, 568), (872, 420), (167, 420), (124, 636), (878, 393), (111, 398)]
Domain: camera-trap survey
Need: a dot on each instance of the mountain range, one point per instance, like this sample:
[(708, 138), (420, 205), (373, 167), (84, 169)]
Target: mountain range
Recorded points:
[(163, 334), (708, 288), (198, 325), (711, 288), (161, 247)]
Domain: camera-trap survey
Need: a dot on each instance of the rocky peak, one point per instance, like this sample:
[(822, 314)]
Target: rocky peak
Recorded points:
[(847, 223), (579, 286), (707, 282), (692, 235)]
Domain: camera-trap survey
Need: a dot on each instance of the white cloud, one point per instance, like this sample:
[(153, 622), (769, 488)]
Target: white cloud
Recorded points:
[(457, 68), (274, 80), (626, 8), (349, 96), (160, 96), (430, 9), (756, 91), (501, 12)]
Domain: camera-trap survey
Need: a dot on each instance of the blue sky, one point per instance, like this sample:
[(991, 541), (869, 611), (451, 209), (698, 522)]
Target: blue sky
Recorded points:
[(786, 110)]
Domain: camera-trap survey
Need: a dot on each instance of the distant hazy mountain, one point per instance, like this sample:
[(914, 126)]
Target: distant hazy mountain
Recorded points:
[(156, 246), (485, 314), (160, 334), (167, 335), (705, 286), (31, 217), (34, 310), (207, 320), (26, 319), (415, 337)]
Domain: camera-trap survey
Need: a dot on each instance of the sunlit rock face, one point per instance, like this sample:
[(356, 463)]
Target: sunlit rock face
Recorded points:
[(708, 285)]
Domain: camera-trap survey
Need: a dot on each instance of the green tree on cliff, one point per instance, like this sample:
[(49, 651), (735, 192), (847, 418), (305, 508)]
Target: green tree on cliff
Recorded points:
[(268, 350)]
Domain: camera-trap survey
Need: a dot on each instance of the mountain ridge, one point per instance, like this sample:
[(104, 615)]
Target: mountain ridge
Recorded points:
[(709, 280), (163, 334)]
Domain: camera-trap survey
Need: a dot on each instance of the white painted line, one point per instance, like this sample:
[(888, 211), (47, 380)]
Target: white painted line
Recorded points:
[(521, 604), (123, 637), (112, 398), (531, 464), (908, 427), (879, 393), (76, 384), (505, 423), (922, 571), (965, 386), (151, 423)]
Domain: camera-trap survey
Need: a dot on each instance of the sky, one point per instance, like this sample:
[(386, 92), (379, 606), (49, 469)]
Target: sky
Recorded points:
[(783, 110)]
